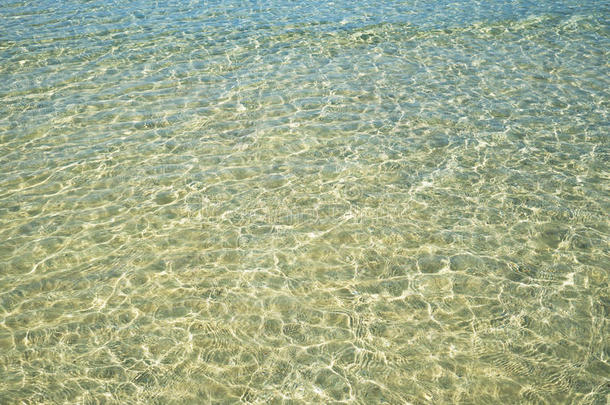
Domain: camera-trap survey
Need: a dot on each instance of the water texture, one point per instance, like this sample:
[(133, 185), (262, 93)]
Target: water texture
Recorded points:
[(304, 202)]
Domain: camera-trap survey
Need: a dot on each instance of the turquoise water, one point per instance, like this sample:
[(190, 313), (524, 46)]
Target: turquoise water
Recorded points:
[(304, 202)]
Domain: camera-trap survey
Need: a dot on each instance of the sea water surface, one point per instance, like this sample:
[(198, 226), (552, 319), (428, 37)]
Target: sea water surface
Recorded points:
[(304, 202)]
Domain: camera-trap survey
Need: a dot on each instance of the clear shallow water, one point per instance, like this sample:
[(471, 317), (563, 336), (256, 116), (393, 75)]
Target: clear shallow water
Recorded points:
[(304, 202)]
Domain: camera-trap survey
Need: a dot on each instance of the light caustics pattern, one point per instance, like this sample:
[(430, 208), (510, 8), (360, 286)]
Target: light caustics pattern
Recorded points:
[(304, 202)]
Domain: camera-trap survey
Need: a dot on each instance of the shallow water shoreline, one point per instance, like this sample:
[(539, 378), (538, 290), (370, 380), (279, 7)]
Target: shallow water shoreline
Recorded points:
[(304, 202)]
